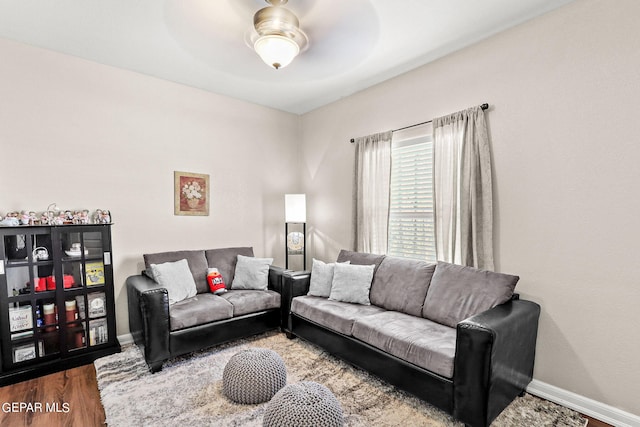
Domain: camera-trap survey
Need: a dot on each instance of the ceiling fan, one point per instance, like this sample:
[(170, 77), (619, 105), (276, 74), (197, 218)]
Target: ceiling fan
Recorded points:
[(278, 38)]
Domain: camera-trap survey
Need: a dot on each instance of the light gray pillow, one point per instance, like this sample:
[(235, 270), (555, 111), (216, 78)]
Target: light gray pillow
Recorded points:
[(351, 283), (321, 278), (252, 273), (176, 277)]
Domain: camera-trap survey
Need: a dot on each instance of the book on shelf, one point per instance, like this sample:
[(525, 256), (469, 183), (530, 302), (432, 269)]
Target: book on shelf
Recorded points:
[(80, 305), (20, 318), (19, 335), (24, 352), (94, 273), (97, 304), (98, 333)]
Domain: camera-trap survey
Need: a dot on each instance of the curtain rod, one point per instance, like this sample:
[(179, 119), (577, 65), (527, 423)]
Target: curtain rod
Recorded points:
[(483, 106)]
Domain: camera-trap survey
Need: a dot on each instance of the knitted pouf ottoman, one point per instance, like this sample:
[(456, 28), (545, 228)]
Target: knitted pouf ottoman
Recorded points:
[(304, 404), (253, 376)]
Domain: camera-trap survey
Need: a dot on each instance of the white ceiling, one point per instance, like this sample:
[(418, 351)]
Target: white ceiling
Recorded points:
[(201, 43)]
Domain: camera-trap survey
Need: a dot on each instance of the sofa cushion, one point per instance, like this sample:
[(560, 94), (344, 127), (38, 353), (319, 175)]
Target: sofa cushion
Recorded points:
[(351, 283), (360, 258), (335, 315), (197, 264), (458, 292), (321, 278), (420, 341), (401, 284), (176, 278), (252, 273), (198, 310), (250, 301), (225, 260)]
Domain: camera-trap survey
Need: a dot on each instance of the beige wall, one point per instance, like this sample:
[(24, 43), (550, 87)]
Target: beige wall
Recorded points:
[(565, 95), (85, 135)]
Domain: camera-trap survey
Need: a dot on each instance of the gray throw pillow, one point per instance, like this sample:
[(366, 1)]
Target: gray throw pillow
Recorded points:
[(176, 278), (457, 292), (195, 258), (351, 283), (321, 278), (225, 259), (252, 273)]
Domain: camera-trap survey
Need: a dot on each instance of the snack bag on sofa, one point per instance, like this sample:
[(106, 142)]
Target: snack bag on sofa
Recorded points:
[(215, 281)]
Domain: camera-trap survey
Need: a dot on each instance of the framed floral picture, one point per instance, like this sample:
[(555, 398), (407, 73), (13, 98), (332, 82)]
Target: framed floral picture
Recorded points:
[(190, 193)]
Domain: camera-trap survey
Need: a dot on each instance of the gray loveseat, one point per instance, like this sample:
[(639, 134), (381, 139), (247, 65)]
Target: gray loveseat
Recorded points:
[(202, 318), (454, 336)]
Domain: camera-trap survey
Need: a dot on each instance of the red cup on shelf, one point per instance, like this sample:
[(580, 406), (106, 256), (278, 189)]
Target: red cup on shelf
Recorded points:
[(41, 284), (51, 283), (68, 281)]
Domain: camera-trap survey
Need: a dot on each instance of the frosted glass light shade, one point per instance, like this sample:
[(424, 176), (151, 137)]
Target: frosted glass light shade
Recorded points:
[(295, 208), (276, 51)]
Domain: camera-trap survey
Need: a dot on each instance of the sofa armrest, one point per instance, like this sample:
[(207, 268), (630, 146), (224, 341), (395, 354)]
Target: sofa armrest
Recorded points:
[(275, 278), (495, 352), (294, 283), (149, 318)]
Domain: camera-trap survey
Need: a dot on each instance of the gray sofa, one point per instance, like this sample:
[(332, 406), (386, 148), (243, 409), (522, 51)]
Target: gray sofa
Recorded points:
[(165, 329), (454, 336)]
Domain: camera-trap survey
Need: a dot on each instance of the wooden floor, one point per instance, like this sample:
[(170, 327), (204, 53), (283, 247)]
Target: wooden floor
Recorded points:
[(69, 398)]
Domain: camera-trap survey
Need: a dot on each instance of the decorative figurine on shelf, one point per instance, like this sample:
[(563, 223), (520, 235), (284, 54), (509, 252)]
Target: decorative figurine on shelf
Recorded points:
[(44, 219), (96, 216), (11, 220), (33, 218), (81, 217), (24, 218), (68, 217), (84, 216), (105, 218), (59, 219)]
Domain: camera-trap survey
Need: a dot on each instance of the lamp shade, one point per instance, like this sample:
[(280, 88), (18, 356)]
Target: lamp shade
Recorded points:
[(295, 208), (276, 51)]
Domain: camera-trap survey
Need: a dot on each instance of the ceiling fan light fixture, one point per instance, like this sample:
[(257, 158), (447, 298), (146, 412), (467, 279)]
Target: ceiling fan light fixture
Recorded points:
[(278, 38), (276, 51)]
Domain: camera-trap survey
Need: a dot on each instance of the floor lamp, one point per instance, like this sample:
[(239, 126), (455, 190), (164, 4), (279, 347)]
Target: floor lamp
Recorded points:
[(295, 209)]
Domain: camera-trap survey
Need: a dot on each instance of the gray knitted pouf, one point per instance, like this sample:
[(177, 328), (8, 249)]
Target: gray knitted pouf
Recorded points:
[(253, 376), (304, 404)]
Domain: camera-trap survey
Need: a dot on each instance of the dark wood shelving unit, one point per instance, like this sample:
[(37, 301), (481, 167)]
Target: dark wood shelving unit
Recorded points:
[(57, 307)]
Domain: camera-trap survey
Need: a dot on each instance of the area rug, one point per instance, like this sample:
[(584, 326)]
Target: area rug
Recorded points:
[(188, 391)]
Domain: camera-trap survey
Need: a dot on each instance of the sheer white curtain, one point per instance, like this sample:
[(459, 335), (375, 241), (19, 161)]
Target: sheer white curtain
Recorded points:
[(371, 192), (463, 189)]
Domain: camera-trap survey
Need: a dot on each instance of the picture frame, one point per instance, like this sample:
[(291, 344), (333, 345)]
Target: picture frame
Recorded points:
[(191, 193)]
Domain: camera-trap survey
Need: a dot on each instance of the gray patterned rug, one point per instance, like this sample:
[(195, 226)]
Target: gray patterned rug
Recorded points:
[(188, 391)]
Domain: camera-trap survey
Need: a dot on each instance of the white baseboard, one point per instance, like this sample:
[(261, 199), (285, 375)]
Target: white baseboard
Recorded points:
[(125, 339), (600, 411)]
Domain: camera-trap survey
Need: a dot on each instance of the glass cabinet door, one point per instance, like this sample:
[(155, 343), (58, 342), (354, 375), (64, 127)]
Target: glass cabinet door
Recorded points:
[(82, 259), (28, 287), (84, 254)]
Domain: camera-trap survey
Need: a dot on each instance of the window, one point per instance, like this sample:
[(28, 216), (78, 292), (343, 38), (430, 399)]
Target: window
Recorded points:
[(411, 226)]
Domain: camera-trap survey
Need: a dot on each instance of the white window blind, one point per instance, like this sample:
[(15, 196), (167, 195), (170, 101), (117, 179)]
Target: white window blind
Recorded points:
[(411, 227)]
